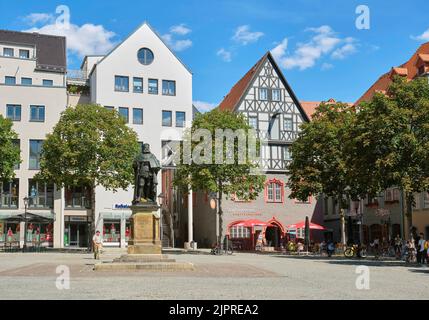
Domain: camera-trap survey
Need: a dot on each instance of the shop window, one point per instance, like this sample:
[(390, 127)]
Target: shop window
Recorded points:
[(274, 191), (10, 232), (41, 194), (78, 197), (111, 231), (9, 191), (237, 232)]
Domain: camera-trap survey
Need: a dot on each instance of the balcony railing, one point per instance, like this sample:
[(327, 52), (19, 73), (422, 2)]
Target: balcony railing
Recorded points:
[(77, 75)]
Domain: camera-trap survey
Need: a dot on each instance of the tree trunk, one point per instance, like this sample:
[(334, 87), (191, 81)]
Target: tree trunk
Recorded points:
[(343, 226), (409, 214), (220, 213)]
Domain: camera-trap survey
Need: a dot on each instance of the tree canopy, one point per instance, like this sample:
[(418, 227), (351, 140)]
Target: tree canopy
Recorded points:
[(90, 145), (9, 150)]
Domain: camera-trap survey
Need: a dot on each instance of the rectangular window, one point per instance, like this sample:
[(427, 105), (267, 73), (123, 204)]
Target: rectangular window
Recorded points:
[(138, 116), (48, 83), (287, 154), (124, 113), (253, 122), (8, 52), (35, 151), (274, 192), (41, 194), (275, 95), (180, 119), (10, 80), (426, 199), (26, 81), (13, 112), (37, 113), (77, 197), (121, 83), (288, 124), (24, 54), (153, 86), (138, 85), (263, 94), (9, 193), (109, 107), (168, 88), (166, 118)]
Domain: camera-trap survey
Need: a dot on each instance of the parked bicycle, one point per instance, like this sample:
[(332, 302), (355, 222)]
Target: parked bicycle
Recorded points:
[(222, 249), (355, 251)]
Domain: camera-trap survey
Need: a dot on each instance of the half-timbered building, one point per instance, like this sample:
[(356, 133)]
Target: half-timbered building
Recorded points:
[(268, 102)]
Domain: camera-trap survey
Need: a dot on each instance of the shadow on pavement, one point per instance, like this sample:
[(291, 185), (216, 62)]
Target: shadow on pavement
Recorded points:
[(371, 262)]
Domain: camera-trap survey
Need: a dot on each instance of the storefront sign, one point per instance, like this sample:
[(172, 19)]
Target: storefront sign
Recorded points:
[(78, 219), (121, 206)]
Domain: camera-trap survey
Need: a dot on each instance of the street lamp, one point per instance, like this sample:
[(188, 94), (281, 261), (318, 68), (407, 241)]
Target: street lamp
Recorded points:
[(24, 247), (161, 198)]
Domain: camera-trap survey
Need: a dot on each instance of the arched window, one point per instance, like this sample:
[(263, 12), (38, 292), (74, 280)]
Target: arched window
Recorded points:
[(274, 191), (145, 56)]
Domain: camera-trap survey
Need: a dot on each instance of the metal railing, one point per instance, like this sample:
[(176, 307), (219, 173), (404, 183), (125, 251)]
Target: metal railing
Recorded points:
[(79, 75)]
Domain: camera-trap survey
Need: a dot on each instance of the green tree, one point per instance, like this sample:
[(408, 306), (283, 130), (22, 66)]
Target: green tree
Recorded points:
[(220, 177), (9, 150), (318, 165), (89, 146), (390, 142)]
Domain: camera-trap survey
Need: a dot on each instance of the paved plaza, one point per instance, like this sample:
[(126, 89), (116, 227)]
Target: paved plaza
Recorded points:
[(241, 276)]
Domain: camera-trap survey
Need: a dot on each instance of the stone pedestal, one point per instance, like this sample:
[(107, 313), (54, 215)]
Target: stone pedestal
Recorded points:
[(144, 237)]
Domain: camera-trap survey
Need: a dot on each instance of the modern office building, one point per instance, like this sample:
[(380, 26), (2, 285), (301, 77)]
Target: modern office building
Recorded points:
[(268, 102), (141, 78)]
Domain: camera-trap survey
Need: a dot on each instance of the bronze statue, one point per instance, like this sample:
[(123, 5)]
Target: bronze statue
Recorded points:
[(146, 167)]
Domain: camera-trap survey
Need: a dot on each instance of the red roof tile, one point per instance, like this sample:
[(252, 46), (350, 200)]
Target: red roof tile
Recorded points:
[(237, 91), (410, 69)]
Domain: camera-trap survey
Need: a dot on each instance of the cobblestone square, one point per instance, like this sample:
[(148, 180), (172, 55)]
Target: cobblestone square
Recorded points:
[(240, 276)]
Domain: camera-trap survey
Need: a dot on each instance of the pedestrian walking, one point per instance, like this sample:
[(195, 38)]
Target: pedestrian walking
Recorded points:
[(97, 242), (425, 251)]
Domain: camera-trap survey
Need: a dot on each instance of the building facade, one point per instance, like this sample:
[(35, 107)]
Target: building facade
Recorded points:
[(384, 214), (272, 109), (33, 94), (141, 78)]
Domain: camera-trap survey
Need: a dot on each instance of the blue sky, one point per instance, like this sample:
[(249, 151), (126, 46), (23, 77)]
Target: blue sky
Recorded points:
[(317, 44)]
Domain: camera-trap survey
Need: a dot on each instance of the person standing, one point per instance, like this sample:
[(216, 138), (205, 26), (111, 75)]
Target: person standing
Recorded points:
[(97, 242), (421, 249)]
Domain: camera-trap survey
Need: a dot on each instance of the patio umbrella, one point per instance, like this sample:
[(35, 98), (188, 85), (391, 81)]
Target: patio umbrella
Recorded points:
[(301, 225), (307, 233)]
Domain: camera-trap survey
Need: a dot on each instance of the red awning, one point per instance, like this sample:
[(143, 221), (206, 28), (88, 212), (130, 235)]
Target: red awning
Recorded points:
[(249, 223), (301, 225)]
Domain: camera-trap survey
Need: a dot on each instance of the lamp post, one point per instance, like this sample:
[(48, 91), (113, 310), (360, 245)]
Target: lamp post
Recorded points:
[(24, 247)]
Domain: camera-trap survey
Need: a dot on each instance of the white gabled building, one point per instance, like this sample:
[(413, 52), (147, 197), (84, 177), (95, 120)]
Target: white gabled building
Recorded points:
[(141, 78)]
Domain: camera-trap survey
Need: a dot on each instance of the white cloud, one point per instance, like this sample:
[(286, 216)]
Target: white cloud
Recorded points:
[(224, 54), (344, 51), (243, 35), (423, 37), (82, 40), (180, 29), (178, 44), (306, 54), (35, 18), (203, 106), (326, 66)]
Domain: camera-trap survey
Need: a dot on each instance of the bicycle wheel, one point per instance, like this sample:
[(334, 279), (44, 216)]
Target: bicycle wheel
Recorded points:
[(348, 253), (229, 251)]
